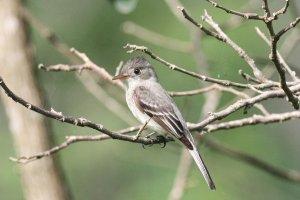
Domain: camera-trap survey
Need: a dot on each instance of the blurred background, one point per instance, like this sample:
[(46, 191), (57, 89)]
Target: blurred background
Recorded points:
[(115, 169)]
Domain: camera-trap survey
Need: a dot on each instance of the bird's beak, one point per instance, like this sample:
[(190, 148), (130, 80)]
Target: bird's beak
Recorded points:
[(121, 77)]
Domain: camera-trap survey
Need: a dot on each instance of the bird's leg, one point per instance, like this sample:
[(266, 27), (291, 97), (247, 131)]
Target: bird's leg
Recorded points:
[(141, 129), (159, 137), (150, 134), (149, 137)]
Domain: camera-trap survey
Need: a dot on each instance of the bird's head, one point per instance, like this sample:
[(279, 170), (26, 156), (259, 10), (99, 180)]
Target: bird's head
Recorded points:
[(137, 68)]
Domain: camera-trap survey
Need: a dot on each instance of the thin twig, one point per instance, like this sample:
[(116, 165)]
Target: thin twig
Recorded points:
[(248, 77), (282, 61), (288, 27), (69, 140), (255, 119), (87, 65), (200, 26), (282, 10), (241, 104), (241, 52), (227, 83), (233, 21), (221, 89), (192, 92), (237, 13)]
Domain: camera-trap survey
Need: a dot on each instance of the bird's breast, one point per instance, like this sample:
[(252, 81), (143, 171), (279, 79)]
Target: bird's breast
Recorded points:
[(138, 114)]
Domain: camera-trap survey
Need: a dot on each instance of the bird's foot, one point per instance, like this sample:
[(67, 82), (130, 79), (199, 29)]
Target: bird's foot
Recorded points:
[(149, 137), (162, 139)]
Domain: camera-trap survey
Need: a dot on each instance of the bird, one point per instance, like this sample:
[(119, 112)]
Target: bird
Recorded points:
[(151, 104)]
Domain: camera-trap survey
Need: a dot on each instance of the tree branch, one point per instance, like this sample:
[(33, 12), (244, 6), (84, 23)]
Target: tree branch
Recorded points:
[(221, 89), (227, 83), (233, 12), (69, 140), (268, 19), (241, 52), (282, 61), (77, 121), (255, 119), (240, 104), (121, 135), (221, 36)]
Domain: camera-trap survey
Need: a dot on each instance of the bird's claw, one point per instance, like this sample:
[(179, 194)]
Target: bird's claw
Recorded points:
[(160, 138), (163, 139)]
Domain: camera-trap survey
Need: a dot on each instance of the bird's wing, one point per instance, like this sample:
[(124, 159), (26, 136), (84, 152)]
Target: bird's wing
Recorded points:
[(159, 106)]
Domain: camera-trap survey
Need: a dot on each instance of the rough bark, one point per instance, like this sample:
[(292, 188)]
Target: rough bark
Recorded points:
[(41, 179)]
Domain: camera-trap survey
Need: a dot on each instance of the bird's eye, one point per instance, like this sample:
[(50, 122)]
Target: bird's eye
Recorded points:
[(137, 71)]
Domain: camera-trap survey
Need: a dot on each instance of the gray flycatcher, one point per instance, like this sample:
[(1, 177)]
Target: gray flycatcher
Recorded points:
[(152, 106)]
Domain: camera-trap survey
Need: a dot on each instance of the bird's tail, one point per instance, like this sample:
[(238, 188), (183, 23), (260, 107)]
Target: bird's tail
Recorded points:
[(195, 154)]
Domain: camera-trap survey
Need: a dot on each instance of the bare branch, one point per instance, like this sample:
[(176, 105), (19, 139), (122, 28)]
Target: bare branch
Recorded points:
[(241, 52), (220, 35), (69, 140), (273, 54), (240, 104), (227, 83), (65, 68), (288, 27), (248, 77), (265, 7), (200, 26), (282, 61), (87, 65), (233, 21), (255, 119), (240, 14), (221, 89), (77, 121), (121, 136), (192, 92), (282, 10)]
